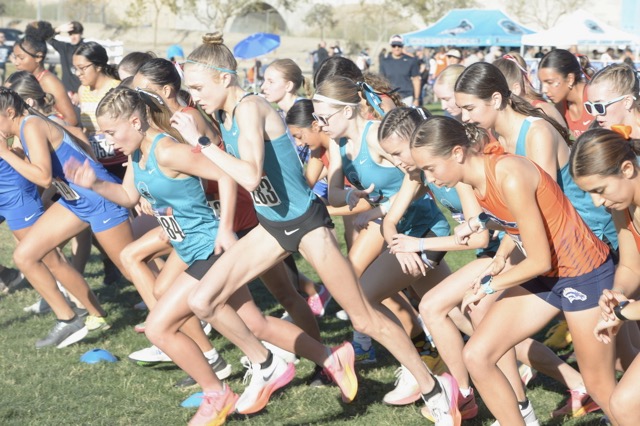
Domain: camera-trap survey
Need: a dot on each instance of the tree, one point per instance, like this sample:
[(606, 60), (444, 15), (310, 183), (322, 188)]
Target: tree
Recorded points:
[(542, 13), (321, 16), (138, 8)]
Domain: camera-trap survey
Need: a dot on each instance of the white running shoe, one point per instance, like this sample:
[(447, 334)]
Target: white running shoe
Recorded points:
[(287, 356), (342, 315), (407, 390), (150, 355), (528, 414), (444, 406), (263, 383)]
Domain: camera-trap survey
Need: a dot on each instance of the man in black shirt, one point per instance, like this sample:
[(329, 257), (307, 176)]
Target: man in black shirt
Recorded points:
[(402, 71), (69, 78)]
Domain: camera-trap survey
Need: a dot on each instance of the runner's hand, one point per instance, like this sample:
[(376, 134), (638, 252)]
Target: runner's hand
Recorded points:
[(412, 264), (186, 125), (82, 174), (609, 300), (606, 328), (404, 244)]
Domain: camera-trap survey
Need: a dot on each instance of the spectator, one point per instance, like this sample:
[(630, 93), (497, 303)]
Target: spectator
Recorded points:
[(607, 57), (381, 57), (402, 71), (363, 61), (337, 50), (495, 52), (472, 58), (4, 55), (69, 79), (319, 55), (453, 57)]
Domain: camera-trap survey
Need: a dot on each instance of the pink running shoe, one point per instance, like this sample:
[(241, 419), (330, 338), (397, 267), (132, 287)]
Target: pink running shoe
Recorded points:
[(342, 371), (443, 407), (263, 384), (319, 301), (467, 406), (215, 408), (579, 404)]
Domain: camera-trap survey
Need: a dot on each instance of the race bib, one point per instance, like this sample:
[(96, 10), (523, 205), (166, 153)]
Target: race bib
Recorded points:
[(265, 195), (101, 148), (170, 224), (516, 239), (65, 190)]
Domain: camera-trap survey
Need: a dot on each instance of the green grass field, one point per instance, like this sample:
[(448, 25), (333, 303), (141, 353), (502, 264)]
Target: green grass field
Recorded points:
[(52, 386)]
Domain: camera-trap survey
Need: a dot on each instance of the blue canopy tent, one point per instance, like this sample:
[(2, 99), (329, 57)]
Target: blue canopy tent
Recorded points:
[(469, 27)]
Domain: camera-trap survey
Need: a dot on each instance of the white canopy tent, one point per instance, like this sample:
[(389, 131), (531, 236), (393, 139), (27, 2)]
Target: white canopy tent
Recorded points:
[(581, 29)]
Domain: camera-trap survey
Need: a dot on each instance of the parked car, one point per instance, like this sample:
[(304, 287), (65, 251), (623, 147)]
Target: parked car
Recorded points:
[(11, 35)]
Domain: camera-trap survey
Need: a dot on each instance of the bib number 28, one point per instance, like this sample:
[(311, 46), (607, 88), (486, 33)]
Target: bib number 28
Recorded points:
[(265, 194)]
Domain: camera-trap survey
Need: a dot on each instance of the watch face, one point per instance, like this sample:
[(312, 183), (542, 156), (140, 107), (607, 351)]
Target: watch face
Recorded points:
[(483, 217), (204, 141), (486, 279)]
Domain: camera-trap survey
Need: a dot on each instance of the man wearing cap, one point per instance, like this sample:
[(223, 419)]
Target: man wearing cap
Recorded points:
[(402, 71), (69, 79), (454, 57)]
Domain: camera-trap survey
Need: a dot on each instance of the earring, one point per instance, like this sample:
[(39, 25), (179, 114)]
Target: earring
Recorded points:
[(570, 86)]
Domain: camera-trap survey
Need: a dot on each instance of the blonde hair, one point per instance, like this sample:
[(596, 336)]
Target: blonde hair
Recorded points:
[(449, 75), (291, 72), (214, 54)]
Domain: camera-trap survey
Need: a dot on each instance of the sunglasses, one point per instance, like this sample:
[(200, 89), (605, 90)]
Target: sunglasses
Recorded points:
[(600, 108), (323, 120)]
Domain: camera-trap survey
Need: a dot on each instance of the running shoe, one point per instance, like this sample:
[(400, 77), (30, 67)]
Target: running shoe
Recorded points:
[(41, 307), (9, 279), (526, 373), (139, 328), (579, 404), (319, 301), (443, 407), (64, 334), (288, 357), (150, 355), (528, 414), (219, 366), (363, 356), (263, 383), (466, 405), (95, 323), (206, 327), (81, 312), (140, 306), (319, 378), (432, 358), (558, 336), (342, 315), (406, 389), (214, 408), (342, 371)]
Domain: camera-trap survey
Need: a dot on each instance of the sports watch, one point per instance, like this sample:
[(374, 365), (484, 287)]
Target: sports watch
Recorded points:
[(483, 218), (203, 142), (485, 283), (617, 310)]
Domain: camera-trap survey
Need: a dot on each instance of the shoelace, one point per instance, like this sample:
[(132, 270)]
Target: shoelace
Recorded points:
[(247, 375)]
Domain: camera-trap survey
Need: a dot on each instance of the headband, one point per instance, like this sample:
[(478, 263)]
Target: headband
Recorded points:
[(212, 67), (371, 96), (151, 95), (321, 98)]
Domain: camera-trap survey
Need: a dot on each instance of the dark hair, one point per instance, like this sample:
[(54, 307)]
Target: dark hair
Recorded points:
[(134, 60), (337, 65), (402, 121), (97, 55), (299, 115), (40, 30), (127, 82), (77, 28), (514, 69), (123, 102), (442, 134), (26, 85), (564, 62), (602, 152), (34, 47), (161, 72), (483, 80)]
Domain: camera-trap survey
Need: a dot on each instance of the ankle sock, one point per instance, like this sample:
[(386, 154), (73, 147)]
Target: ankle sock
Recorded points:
[(267, 363), (433, 392), (69, 321), (465, 392), (523, 405), (211, 355)]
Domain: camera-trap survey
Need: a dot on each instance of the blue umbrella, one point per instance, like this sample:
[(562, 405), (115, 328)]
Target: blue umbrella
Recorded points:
[(255, 45)]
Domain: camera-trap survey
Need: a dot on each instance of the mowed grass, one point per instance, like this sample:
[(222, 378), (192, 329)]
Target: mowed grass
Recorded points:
[(52, 386)]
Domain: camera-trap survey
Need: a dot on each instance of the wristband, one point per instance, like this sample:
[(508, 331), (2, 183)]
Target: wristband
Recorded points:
[(346, 198), (617, 310), (485, 283)]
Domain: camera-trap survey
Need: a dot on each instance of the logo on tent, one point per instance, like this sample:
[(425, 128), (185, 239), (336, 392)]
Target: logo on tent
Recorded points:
[(593, 26), (462, 27), (510, 27)]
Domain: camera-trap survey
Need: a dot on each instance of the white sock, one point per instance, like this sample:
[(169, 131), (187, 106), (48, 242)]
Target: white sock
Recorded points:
[(211, 355), (362, 339), (582, 389), (465, 392)]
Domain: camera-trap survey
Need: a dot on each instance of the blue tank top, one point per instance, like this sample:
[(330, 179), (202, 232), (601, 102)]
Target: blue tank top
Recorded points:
[(11, 182), (180, 205), (423, 214), (64, 152), (283, 193), (597, 218)]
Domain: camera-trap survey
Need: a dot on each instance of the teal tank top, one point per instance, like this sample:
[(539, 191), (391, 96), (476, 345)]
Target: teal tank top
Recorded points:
[(283, 193), (596, 218), (180, 206)]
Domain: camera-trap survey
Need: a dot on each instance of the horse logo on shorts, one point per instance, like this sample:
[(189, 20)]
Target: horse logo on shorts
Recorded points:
[(572, 294)]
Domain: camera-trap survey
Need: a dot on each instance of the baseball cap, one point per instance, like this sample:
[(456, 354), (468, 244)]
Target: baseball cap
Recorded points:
[(77, 28), (396, 40), (455, 53)]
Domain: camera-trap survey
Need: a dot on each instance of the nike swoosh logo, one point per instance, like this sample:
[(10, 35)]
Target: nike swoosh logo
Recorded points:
[(291, 232), (585, 123), (106, 220), (28, 218), (363, 161)]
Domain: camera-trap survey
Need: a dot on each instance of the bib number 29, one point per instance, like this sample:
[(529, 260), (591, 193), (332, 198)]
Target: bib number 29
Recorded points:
[(265, 195)]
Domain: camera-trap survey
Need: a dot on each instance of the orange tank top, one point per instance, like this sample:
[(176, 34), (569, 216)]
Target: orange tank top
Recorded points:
[(575, 250), (632, 228), (582, 124)]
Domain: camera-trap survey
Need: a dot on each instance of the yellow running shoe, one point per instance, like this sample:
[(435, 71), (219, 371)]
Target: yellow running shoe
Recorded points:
[(558, 336), (94, 323)]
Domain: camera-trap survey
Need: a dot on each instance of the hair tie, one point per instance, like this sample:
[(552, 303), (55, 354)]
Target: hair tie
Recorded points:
[(371, 96), (493, 148), (622, 130), (150, 95), (421, 112)]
